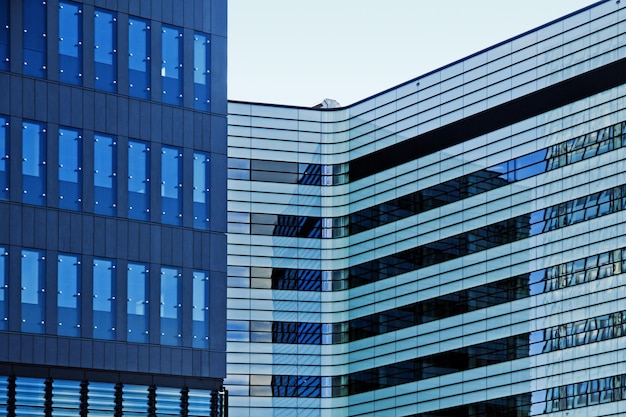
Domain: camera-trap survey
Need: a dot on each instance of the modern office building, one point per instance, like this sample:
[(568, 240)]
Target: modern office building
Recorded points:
[(454, 246), (112, 217)]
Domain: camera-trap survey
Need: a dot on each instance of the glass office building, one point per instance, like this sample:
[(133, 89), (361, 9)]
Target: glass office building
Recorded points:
[(454, 246), (112, 189)]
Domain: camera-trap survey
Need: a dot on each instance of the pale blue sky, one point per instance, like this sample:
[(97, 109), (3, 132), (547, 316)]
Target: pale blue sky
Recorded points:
[(299, 52)]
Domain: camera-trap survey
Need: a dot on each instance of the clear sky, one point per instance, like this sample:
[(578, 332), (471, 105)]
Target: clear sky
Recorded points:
[(299, 52)]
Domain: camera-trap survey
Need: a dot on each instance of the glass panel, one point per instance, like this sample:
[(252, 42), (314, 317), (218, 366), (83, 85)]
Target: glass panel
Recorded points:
[(33, 291), (200, 190), (101, 399), (105, 174), (168, 402), (105, 52), (104, 299), (4, 35), (137, 303), (200, 310), (66, 400), (201, 71), (70, 43), (139, 58), (172, 65), (199, 403), (4, 158), (70, 169), (34, 23), (171, 185), (4, 281), (135, 400), (138, 180), (34, 163), (29, 396), (68, 295), (170, 306), (4, 388)]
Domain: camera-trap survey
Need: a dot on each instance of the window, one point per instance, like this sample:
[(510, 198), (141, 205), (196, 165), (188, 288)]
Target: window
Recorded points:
[(70, 169), (200, 313), (172, 65), (34, 24), (105, 52), (138, 180), (137, 303), (201, 71), (171, 185), (201, 190), (104, 300), (33, 291), (29, 396), (68, 295), (70, 43), (4, 158), (139, 58), (33, 163), (4, 35), (66, 397), (105, 174), (171, 289)]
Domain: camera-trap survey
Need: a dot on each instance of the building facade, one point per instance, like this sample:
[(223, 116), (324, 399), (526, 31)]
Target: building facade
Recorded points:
[(454, 246), (112, 221)]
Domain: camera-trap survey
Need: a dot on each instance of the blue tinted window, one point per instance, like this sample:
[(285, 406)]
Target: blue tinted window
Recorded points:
[(66, 396), (33, 163), (199, 402), (4, 159), (172, 65), (105, 174), (70, 43), (138, 58), (168, 402), (200, 313), (171, 288), (33, 291), (137, 303), (200, 190), (171, 185), (4, 34), (34, 21), (105, 53), (70, 169), (135, 400), (201, 70), (29, 396), (101, 399), (4, 281), (68, 295), (138, 180), (103, 299)]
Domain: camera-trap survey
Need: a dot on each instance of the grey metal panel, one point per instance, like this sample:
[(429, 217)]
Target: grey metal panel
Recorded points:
[(197, 249), (219, 103), (165, 353), (113, 4), (122, 116), (133, 240), (188, 68), (217, 363), (144, 358), (15, 36), (40, 227), (166, 124), (155, 240), (52, 236), (65, 233), (28, 98), (89, 113), (86, 290), (206, 17), (110, 353), (39, 349), (166, 245), (188, 190), (176, 361), (86, 354), (134, 8), (74, 352), (76, 239), (155, 182), (122, 295), (65, 105), (63, 353), (98, 354), (177, 122), (51, 291), (15, 285), (111, 238), (5, 99), (167, 11), (88, 234), (177, 246), (6, 216), (198, 14), (15, 343), (156, 12), (206, 250), (53, 103), (206, 132), (186, 312), (111, 114), (16, 226), (53, 39), (144, 242), (41, 100), (155, 306), (146, 9), (132, 362), (120, 356), (188, 13), (218, 194), (198, 131), (178, 12), (26, 348), (186, 364), (134, 122), (99, 236), (87, 171), (77, 107), (187, 129), (155, 74), (121, 242), (156, 117), (16, 96), (144, 120), (99, 109), (4, 352), (52, 159), (15, 164), (155, 359), (28, 226)]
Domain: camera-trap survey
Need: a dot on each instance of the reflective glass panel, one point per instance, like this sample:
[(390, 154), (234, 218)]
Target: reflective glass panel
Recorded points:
[(137, 303), (199, 403), (105, 174), (29, 396), (171, 185), (70, 169), (68, 295), (104, 299), (4, 159), (200, 314), (4, 281), (168, 402), (33, 291), (201, 71), (172, 65), (34, 24), (33, 163), (66, 398), (138, 58), (70, 43), (138, 180), (4, 35), (171, 288), (105, 52), (200, 190), (101, 399), (135, 400)]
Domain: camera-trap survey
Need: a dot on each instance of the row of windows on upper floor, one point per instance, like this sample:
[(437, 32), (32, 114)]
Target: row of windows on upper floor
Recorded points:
[(70, 48), (103, 181), (90, 299)]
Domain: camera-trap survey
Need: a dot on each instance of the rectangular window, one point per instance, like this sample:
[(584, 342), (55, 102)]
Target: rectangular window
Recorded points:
[(138, 180), (105, 174), (4, 159), (4, 35), (4, 282), (200, 313), (33, 163), (201, 72), (105, 52), (171, 185), (33, 291), (66, 398), (104, 299), (70, 43), (139, 58), (70, 169), (68, 295), (29, 396), (34, 24), (200, 402), (172, 65), (101, 398), (137, 303), (171, 289), (201, 190)]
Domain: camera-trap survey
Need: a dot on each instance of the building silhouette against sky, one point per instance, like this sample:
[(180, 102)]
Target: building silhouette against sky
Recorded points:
[(112, 235), (454, 246)]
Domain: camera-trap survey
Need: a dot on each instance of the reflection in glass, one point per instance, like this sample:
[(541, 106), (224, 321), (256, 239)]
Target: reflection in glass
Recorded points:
[(171, 185), (33, 163), (201, 77), (104, 300), (172, 65), (67, 396), (4, 281), (105, 54), (101, 399), (201, 180), (138, 180), (33, 291), (105, 174), (137, 303), (4, 35), (4, 159), (29, 396), (68, 295), (70, 43), (171, 288), (138, 58), (34, 48), (70, 169), (200, 314)]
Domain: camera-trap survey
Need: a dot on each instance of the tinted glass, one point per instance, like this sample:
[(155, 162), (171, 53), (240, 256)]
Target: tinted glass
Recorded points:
[(4, 159), (105, 174), (70, 43), (200, 313), (4, 35), (104, 300), (201, 72), (105, 52), (33, 291), (171, 288), (137, 303), (171, 185), (139, 58), (138, 180), (34, 24), (33, 163), (172, 65), (68, 295), (201, 190), (70, 169)]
